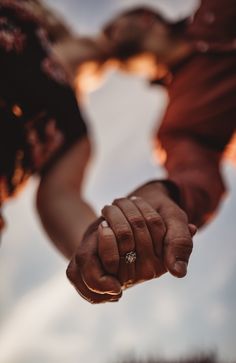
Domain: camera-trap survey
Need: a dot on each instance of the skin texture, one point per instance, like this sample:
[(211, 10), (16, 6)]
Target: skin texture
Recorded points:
[(64, 213), (148, 222), (143, 233), (66, 216)]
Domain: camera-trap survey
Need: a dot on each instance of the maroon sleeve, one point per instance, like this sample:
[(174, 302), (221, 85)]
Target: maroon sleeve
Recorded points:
[(198, 124)]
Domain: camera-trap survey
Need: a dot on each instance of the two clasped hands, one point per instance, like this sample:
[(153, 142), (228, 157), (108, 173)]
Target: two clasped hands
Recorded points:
[(136, 239)]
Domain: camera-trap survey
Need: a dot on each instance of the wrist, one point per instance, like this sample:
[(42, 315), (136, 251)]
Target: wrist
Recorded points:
[(156, 190)]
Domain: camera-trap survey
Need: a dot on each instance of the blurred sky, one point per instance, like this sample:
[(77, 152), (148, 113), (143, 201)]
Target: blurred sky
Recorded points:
[(90, 15), (42, 318)]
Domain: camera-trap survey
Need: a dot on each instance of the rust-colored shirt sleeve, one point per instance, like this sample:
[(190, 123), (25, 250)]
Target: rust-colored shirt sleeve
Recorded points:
[(213, 26), (198, 124)]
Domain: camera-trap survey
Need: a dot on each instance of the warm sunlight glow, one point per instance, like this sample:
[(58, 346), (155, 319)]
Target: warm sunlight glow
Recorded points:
[(230, 152), (89, 77), (17, 111), (159, 153), (146, 66)]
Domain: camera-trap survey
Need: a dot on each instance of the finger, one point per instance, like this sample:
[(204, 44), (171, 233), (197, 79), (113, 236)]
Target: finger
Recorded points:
[(125, 241), (157, 231), (120, 227), (91, 269), (192, 229), (96, 280), (154, 223), (75, 278), (178, 240), (107, 249), (146, 259)]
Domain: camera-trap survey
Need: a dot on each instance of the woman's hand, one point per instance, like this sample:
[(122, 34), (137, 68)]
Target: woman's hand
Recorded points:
[(141, 238), (125, 249), (86, 272)]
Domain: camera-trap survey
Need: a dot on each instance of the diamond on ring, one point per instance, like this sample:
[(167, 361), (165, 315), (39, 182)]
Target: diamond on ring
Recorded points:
[(130, 257)]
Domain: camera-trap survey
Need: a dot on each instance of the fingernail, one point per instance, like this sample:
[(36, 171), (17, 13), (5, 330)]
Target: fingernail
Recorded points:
[(104, 224), (181, 268), (133, 198)]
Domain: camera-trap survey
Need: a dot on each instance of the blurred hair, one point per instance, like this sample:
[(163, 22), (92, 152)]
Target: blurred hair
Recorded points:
[(74, 51), (37, 12), (127, 32), (56, 27), (70, 49)]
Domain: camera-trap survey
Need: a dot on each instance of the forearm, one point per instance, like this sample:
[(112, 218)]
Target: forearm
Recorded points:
[(195, 171), (194, 183), (65, 216)]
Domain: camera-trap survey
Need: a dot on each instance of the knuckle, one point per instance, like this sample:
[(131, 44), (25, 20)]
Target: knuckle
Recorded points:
[(155, 221), (105, 209), (106, 239), (182, 248), (124, 235), (180, 242), (183, 242), (110, 259), (175, 211), (118, 200), (138, 222)]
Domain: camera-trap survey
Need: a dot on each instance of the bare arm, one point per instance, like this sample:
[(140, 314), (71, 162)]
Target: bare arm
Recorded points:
[(63, 212)]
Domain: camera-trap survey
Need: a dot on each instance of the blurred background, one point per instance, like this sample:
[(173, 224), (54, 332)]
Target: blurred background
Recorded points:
[(42, 319)]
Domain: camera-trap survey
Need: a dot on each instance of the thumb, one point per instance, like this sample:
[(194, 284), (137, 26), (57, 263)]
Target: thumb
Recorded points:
[(178, 249)]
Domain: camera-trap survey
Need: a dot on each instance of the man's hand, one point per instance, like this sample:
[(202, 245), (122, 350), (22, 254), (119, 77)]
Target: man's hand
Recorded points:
[(135, 233), (177, 243), (142, 237), (101, 267)]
